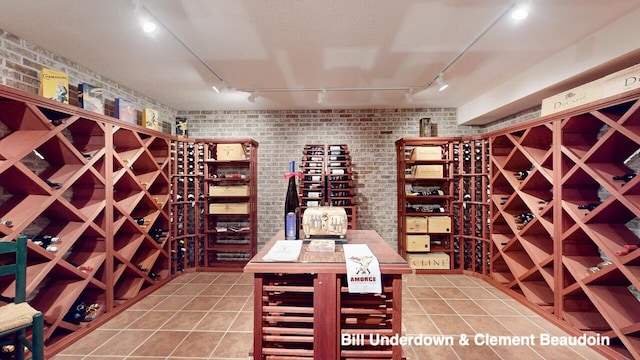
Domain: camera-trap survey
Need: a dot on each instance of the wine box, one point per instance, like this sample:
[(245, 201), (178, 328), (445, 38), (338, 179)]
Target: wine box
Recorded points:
[(427, 171), (325, 221), (429, 261), (426, 153), (417, 224), (440, 224), (227, 152), (229, 208), (227, 190), (150, 119), (54, 85), (418, 243), (90, 98)]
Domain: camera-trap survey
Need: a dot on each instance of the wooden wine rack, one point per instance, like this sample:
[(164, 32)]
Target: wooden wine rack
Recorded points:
[(558, 259), (328, 179), (113, 190), (230, 237), (417, 205), (187, 207), (472, 200)]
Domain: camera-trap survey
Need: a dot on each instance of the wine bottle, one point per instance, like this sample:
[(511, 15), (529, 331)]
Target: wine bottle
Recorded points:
[(140, 220), (588, 207), (627, 249), (521, 175), (54, 185), (626, 177), (291, 207)]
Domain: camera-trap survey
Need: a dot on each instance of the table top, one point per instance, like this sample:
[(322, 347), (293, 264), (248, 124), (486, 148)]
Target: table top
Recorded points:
[(330, 262)]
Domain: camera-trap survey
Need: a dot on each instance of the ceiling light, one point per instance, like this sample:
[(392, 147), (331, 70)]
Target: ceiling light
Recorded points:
[(149, 26), (520, 11), (253, 96), (409, 95), (321, 96), (441, 84)]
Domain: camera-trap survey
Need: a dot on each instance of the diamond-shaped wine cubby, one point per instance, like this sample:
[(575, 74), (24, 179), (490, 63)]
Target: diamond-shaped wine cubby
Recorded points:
[(92, 193)]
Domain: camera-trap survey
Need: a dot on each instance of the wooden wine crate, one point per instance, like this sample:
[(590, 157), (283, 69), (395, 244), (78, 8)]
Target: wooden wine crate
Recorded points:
[(418, 243), (440, 224), (427, 171), (231, 152), (610, 85), (417, 224), (429, 261), (229, 208), (426, 153), (227, 190)]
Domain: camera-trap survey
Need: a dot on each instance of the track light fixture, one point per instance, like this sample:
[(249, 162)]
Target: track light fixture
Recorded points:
[(252, 97), (441, 84)]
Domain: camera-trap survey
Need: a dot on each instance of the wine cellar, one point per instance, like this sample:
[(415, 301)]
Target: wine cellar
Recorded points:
[(457, 188)]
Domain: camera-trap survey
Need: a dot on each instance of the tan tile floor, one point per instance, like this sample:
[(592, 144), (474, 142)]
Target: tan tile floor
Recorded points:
[(200, 316)]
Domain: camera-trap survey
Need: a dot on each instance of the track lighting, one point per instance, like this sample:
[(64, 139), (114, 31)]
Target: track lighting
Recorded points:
[(253, 96), (321, 96), (220, 87), (441, 84)]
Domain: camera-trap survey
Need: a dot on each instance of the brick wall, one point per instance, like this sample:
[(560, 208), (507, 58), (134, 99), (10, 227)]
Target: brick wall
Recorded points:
[(532, 113), (370, 135), (22, 61)]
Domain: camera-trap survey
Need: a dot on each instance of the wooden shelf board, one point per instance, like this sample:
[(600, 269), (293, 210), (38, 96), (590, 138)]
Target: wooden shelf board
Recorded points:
[(16, 142), (615, 303), (538, 292)]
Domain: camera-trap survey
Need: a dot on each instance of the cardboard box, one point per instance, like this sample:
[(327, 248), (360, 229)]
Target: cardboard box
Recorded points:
[(417, 224), (420, 243), (229, 208), (227, 190), (231, 152), (429, 261), (613, 84), (426, 153), (439, 224), (427, 171)]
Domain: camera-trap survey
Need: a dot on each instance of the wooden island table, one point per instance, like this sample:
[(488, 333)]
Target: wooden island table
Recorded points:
[(303, 309)]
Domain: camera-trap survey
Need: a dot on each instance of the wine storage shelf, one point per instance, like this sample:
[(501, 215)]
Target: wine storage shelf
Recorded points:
[(562, 212), (92, 193), (230, 205), (426, 215), (328, 179)]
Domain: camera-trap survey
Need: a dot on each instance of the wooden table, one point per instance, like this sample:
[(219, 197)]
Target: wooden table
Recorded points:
[(302, 308)]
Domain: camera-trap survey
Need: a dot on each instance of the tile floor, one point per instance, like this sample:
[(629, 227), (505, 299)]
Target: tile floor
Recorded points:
[(200, 316)]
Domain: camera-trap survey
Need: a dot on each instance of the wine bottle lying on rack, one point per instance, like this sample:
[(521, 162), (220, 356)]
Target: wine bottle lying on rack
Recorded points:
[(626, 177), (54, 185), (628, 249), (589, 207), (521, 175)]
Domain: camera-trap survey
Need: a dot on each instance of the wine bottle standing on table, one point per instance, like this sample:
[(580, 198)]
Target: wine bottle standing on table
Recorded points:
[(291, 207)]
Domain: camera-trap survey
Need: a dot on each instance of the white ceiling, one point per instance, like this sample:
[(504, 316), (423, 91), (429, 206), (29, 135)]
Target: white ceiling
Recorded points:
[(338, 45)]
